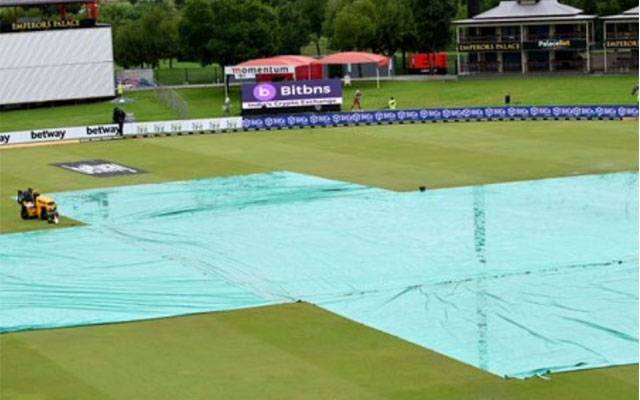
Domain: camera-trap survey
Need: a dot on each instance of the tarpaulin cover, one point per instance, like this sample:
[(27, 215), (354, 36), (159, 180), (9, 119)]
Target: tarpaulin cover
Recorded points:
[(518, 279)]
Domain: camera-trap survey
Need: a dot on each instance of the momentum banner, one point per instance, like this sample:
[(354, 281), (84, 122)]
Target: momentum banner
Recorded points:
[(291, 94), (439, 114), (250, 72)]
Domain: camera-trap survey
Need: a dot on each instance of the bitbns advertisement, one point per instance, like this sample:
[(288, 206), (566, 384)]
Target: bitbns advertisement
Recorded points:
[(291, 94)]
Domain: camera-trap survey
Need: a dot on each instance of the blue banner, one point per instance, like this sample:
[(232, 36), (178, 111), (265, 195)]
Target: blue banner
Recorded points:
[(439, 114)]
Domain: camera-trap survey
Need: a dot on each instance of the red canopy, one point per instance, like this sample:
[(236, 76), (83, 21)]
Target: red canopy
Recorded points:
[(355, 57), (288, 67), (293, 61)]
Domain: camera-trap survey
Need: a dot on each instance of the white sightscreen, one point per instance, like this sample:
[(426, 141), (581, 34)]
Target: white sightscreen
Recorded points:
[(56, 65)]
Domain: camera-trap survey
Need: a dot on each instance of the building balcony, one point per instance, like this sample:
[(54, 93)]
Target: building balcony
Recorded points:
[(556, 65), (484, 66), (556, 36), (488, 39), (532, 66), (622, 35)]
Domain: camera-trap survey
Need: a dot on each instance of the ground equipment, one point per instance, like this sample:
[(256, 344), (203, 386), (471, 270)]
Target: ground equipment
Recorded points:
[(34, 205)]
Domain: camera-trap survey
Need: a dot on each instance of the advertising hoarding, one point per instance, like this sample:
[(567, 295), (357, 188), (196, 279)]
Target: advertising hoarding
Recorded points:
[(488, 47), (250, 72), (56, 65), (621, 44), (292, 94)]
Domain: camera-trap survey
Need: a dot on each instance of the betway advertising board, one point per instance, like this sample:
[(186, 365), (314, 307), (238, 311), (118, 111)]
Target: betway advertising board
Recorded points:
[(58, 134), (291, 94), (179, 126), (110, 131)]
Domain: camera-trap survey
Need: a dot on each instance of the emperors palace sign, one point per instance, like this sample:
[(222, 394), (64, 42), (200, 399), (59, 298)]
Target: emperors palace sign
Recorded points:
[(488, 47), (46, 24), (621, 44)]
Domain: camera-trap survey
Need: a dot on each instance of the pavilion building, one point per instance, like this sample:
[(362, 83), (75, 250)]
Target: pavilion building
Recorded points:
[(524, 36), (620, 41)]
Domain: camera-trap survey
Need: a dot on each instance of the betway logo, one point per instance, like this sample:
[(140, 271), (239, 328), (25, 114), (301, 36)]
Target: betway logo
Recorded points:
[(4, 139), (47, 134), (102, 130), (293, 90)]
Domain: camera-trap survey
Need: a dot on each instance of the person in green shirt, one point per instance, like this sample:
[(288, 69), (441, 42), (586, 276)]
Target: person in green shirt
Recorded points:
[(392, 104)]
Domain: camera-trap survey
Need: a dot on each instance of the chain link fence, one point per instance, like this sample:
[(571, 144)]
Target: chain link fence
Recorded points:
[(173, 100), (189, 76)]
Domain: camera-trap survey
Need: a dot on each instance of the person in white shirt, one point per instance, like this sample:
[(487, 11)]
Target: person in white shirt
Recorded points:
[(347, 80)]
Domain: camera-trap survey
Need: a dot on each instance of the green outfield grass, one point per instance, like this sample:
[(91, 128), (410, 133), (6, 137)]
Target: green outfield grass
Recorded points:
[(207, 102), (394, 157), (297, 351), (294, 351)]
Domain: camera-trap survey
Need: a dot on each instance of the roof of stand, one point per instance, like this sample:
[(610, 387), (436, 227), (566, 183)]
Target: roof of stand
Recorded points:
[(355, 57), (527, 11), (629, 15), (294, 61)]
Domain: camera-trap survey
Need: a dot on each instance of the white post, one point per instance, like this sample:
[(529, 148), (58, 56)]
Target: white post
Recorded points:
[(377, 76), (606, 49), (457, 50), (552, 53), (588, 48), (523, 60)]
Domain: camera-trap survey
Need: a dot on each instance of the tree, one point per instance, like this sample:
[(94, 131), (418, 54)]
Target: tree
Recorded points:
[(118, 13), (143, 34), (229, 31), (473, 8), (129, 44), (295, 27), (314, 11), (433, 20), (160, 32), (331, 12), (194, 30), (354, 27), (395, 26)]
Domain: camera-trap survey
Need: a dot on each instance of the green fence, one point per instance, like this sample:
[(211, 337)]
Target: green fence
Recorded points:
[(181, 76)]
